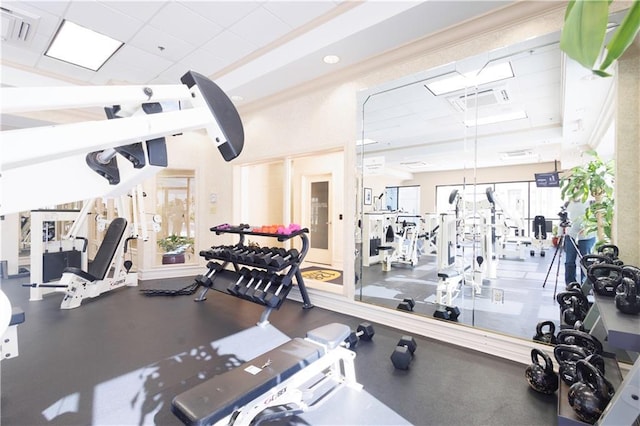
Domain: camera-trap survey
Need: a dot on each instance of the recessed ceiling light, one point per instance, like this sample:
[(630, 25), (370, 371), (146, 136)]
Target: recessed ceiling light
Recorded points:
[(331, 59), (457, 81), (81, 46)]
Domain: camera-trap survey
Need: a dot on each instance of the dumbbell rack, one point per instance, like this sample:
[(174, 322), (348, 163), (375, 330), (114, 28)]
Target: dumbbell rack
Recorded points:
[(288, 270), (615, 330)]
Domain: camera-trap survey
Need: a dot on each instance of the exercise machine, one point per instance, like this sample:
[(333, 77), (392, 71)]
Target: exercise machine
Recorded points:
[(312, 378), (10, 318), (106, 158), (511, 239)]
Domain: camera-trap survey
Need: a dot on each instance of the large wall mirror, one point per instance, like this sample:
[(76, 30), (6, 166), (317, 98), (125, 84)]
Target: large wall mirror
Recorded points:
[(457, 169)]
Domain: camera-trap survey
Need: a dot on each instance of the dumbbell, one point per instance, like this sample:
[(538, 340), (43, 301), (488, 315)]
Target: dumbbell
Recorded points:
[(245, 274), (403, 353), (254, 253), (206, 279), (407, 305), (265, 259), (364, 331), (257, 293), (450, 313), (281, 260), (274, 299), (258, 277)]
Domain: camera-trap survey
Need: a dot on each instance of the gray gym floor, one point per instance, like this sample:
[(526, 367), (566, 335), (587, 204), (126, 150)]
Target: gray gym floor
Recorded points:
[(120, 358), (524, 303)]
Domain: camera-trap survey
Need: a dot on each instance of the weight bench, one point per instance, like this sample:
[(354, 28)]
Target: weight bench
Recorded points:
[(81, 284), (9, 342), (291, 379)]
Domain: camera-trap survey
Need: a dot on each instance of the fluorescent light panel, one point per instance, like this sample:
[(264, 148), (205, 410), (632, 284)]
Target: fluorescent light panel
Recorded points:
[(81, 46), (457, 81), (497, 118)]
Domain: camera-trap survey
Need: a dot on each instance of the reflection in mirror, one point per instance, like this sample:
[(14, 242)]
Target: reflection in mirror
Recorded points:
[(175, 203), (469, 139)]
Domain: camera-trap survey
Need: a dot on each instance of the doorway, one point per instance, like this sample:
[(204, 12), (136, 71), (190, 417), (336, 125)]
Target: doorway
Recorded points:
[(316, 202)]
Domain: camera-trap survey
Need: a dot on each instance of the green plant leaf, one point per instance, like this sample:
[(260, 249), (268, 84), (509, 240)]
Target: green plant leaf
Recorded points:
[(584, 30), (623, 36)]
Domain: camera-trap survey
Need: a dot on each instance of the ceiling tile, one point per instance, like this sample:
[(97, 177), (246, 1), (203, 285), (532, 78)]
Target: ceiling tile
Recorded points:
[(20, 55), (229, 46), (298, 13), (140, 10), (149, 38), (260, 27), (64, 68), (138, 58), (203, 62), (54, 7), (185, 24), (224, 13), (103, 19), (118, 71)]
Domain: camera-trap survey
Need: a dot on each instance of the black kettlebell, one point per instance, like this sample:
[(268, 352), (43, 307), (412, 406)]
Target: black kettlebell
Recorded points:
[(585, 340), (632, 272), (597, 361), (565, 300), (567, 356), (627, 299), (611, 252), (574, 286), (540, 377), (590, 394), (605, 278), (592, 259), (548, 336), (579, 325), (574, 312)]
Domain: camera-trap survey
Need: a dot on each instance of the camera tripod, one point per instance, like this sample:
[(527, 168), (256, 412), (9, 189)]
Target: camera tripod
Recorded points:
[(559, 249)]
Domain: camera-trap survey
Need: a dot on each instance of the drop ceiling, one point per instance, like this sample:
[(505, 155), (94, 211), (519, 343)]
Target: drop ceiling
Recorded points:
[(255, 49)]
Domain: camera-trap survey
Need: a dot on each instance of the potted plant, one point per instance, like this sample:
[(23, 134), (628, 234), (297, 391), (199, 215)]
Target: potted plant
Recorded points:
[(174, 247), (584, 31), (594, 179)]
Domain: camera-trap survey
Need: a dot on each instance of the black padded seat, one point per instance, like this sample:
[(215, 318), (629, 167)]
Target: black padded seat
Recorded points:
[(17, 316), (100, 265), (219, 396), (448, 273)]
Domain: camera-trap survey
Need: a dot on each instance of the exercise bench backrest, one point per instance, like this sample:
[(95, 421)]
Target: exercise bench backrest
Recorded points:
[(101, 262), (216, 398)]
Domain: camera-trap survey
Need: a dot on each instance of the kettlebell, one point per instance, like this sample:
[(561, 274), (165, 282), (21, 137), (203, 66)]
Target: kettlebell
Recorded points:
[(611, 252), (592, 259), (597, 361), (632, 272), (567, 356), (548, 336), (627, 299), (574, 312), (540, 377), (585, 340), (590, 394), (605, 278), (574, 286), (565, 300), (579, 326)]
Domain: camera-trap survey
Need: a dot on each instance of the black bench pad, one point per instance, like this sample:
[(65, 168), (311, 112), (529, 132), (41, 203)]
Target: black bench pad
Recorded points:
[(17, 316), (219, 396)]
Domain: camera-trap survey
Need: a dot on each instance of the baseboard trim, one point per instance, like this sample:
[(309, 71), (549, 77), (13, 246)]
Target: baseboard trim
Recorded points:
[(503, 346), (170, 271)]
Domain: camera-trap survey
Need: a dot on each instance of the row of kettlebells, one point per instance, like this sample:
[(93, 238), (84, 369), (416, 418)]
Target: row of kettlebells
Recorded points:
[(611, 277), (581, 366)]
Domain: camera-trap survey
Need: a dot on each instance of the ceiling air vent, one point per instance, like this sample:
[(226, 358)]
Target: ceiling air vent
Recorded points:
[(18, 27), (484, 98)]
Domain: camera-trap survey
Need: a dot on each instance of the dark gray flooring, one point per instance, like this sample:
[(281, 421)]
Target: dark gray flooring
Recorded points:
[(524, 303), (120, 358)]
